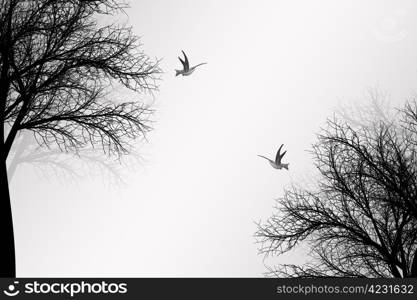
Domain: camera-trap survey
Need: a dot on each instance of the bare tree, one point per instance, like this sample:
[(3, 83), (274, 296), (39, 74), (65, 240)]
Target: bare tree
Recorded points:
[(58, 66), (357, 221), (377, 109), (373, 107), (52, 163), (409, 124)]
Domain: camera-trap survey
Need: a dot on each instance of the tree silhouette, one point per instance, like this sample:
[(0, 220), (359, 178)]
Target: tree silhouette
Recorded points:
[(409, 123), (374, 107), (358, 220), (58, 68), (51, 162)]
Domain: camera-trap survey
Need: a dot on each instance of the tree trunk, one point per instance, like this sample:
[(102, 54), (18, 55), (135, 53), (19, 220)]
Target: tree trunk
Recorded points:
[(7, 258), (414, 266)]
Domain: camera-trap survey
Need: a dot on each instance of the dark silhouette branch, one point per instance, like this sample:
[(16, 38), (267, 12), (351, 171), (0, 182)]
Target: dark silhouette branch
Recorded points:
[(58, 67), (358, 220)]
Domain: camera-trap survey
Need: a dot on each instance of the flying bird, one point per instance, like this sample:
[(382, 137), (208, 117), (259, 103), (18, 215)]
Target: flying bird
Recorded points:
[(186, 70), (277, 164)]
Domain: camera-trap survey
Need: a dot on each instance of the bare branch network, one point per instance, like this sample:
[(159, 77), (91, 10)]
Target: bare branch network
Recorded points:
[(58, 66), (68, 166), (361, 219)]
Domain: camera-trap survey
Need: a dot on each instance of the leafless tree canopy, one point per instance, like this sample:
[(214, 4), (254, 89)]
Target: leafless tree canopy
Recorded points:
[(51, 163), (360, 220), (57, 67), (373, 107)]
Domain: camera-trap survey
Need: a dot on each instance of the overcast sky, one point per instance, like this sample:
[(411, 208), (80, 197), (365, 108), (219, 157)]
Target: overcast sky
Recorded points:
[(276, 70)]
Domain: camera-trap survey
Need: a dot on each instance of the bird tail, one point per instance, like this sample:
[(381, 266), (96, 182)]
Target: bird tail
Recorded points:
[(285, 166), (177, 72)]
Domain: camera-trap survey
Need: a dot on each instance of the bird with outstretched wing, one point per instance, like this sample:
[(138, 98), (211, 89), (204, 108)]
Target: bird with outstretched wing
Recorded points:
[(277, 164), (186, 70)]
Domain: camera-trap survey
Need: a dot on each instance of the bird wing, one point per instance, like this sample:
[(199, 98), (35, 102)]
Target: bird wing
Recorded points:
[(278, 157), (186, 63), (182, 62), (282, 155), (199, 65), (265, 158)]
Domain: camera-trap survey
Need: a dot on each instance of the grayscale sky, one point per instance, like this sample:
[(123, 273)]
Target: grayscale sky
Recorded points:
[(276, 70)]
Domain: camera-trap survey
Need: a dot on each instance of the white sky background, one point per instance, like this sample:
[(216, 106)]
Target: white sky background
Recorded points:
[(276, 70)]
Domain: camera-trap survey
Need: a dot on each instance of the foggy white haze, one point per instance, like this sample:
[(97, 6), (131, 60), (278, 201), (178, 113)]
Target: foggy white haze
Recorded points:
[(276, 70)]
